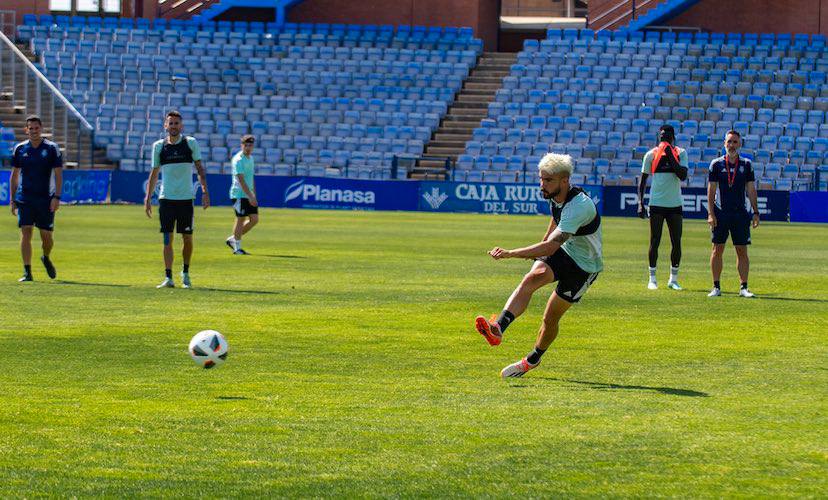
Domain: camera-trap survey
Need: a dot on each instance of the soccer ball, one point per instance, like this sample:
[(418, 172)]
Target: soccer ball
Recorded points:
[(208, 348)]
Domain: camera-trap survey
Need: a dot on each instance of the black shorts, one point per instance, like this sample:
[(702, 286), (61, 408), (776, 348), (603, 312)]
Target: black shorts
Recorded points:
[(243, 207), (735, 224), (573, 281), (665, 210), (36, 213), (176, 214)]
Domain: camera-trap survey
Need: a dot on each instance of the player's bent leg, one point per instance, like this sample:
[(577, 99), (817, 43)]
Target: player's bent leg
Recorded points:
[(252, 220), (47, 242), (540, 274), (492, 330), (555, 309)]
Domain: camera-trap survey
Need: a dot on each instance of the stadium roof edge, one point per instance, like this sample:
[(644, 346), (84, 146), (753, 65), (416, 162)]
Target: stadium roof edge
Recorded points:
[(522, 23)]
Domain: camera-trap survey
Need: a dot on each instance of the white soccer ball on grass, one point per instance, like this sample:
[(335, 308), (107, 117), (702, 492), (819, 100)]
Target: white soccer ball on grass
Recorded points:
[(208, 348)]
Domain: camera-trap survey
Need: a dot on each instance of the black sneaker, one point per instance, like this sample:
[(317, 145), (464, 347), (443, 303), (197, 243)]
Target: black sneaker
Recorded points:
[(50, 268), (26, 277)]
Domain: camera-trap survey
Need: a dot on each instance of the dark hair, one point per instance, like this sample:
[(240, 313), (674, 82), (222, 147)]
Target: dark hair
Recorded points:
[(248, 138), (33, 118), (174, 113), (731, 131), (667, 133)]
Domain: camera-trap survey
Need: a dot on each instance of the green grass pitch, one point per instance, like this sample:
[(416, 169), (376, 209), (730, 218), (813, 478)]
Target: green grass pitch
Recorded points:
[(354, 368)]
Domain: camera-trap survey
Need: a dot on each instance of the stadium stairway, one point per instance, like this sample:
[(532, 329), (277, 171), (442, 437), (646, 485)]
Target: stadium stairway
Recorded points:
[(13, 115), (464, 114)]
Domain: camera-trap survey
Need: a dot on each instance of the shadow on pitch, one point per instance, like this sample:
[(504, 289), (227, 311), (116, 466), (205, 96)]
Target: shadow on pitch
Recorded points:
[(227, 290), (232, 398), (278, 256), (763, 296), (776, 297), (602, 386), (80, 283)]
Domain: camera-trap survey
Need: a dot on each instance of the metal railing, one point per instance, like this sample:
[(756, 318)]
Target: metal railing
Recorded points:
[(30, 92), (632, 8)]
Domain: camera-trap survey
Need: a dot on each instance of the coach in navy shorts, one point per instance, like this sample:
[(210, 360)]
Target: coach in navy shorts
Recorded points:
[(36, 181), (731, 176)]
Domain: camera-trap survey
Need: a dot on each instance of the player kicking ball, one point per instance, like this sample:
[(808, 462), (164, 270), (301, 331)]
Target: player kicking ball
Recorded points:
[(569, 253)]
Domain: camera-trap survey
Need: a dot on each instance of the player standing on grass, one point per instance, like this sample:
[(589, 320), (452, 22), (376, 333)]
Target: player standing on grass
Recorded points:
[(35, 186), (243, 194), (731, 176), (569, 253), (174, 156), (668, 166)]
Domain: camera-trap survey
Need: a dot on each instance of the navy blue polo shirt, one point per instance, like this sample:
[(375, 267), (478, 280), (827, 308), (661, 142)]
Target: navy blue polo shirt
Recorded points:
[(36, 165), (732, 179)]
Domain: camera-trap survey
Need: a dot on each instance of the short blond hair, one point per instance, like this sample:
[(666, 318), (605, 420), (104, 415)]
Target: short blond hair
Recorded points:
[(553, 163)]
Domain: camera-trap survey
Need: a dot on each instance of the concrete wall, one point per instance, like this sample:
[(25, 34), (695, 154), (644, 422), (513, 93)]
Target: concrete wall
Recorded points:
[(481, 15), (746, 16), (758, 16)]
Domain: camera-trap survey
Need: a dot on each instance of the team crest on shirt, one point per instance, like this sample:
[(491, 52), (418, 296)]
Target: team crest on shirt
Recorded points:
[(43, 153)]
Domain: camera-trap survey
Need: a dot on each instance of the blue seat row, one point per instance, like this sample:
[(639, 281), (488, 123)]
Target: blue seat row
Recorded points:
[(672, 61), (684, 36), (196, 24), (682, 49)]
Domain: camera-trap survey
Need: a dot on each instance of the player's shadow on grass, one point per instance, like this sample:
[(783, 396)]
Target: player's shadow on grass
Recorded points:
[(272, 256), (228, 290), (232, 398), (80, 283), (602, 386), (776, 297), (765, 297)]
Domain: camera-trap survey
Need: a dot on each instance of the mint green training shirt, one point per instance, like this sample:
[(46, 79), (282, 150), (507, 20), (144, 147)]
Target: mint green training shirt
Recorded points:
[(665, 190), (585, 250), (244, 166), (176, 178)]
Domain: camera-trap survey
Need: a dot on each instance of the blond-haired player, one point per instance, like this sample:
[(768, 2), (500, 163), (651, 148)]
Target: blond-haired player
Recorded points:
[(569, 253)]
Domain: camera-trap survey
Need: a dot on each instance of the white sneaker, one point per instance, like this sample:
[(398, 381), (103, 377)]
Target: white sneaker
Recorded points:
[(517, 369), (167, 283), (673, 285), (652, 285), (230, 243), (744, 292), (185, 280), (716, 292)]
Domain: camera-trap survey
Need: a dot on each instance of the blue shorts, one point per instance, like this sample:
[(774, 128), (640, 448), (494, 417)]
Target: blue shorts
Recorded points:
[(35, 213), (737, 225)]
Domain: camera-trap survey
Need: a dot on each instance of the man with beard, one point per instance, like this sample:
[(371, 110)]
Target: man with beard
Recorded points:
[(569, 253)]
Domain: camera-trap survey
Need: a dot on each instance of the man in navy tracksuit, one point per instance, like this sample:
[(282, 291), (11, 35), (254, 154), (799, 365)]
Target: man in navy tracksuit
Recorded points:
[(732, 176), (36, 181)]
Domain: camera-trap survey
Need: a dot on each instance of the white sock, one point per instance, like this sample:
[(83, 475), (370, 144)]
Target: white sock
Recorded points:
[(653, 274), (674, 273), (236, 244)]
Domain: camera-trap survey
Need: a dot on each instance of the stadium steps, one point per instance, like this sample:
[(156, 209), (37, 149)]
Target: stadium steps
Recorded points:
[(469, 107), (13, 114)]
